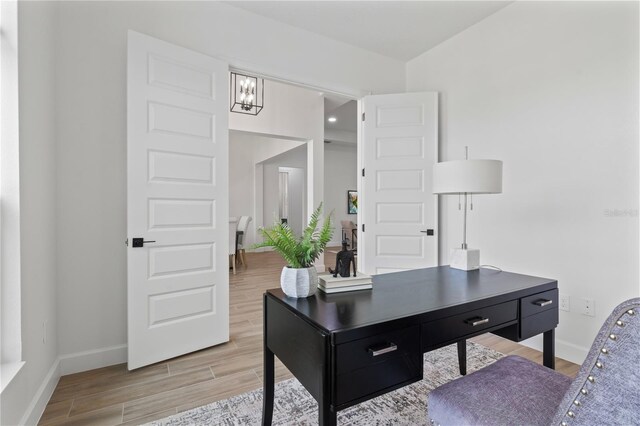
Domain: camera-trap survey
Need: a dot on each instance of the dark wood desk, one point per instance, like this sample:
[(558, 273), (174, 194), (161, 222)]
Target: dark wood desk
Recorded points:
[(347, 348)]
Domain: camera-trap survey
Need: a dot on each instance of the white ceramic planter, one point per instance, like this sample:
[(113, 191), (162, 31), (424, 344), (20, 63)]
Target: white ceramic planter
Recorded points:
[(302, 282)]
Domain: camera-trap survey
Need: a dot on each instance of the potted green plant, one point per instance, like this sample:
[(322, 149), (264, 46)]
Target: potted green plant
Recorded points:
[(299, 278)]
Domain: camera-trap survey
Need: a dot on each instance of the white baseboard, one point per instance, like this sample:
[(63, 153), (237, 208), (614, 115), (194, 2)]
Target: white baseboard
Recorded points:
[(69, 364), (260, 250), (320, 268), (570, 352), (89, 360), (42, 396), (337, 243), (565, 350)]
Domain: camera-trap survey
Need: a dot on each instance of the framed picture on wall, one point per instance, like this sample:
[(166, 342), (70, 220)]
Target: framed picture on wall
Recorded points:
[(352, 202)]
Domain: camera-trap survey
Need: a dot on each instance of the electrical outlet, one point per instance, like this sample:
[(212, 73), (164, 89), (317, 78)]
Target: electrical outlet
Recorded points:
[(565, 303), (588, 307)]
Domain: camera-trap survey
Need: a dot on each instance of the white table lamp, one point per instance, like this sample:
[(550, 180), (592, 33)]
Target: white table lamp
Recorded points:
[(467, 177)]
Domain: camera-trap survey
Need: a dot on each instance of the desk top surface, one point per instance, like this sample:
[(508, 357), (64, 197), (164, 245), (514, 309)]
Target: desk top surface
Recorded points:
[(408, 293)]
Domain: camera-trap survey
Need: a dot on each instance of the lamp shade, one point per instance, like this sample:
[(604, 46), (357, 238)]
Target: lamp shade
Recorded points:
[(470, 176)]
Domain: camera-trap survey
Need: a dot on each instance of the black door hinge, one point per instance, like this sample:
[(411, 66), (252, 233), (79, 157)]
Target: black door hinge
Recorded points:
[(363, 227), (363, 116), (362, 172)]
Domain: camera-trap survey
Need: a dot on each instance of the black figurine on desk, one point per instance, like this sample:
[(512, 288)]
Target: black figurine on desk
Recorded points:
[(344, 259)]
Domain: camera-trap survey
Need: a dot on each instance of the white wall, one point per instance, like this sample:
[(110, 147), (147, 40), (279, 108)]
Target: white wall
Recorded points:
[(340, 171), (246, 151), (91, 133), (550, 88), (343, 136), (20, 400), (290, 111)]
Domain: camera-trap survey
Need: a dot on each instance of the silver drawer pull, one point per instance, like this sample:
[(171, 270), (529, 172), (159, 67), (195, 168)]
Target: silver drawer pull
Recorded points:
[(543, 302), (375, 352), (477, 321)]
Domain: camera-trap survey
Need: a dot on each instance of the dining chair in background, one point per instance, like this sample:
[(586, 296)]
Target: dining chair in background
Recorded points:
[(241, 232)]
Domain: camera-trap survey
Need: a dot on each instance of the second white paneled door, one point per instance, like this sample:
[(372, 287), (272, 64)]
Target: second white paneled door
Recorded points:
[(177, 201), (399, 146)]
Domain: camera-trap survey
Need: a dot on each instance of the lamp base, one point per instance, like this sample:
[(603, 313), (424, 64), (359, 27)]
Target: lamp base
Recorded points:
[(464, 259)]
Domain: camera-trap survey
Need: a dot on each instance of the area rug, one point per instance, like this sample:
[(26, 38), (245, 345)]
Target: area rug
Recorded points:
[(295, 406)]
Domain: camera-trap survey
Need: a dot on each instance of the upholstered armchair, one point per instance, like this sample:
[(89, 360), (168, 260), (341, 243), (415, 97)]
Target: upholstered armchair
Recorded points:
[(515, 391)]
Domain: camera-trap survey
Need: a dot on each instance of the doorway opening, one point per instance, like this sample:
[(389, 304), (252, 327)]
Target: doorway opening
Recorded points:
[(276, 167)]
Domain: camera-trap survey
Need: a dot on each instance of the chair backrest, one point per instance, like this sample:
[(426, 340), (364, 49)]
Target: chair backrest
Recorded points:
[(232, 237), (606, 391), (243, 223), (347, 224)]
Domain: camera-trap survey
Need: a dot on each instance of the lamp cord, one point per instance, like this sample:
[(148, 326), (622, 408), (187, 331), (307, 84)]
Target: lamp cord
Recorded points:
[(495, 268), (464, 227)]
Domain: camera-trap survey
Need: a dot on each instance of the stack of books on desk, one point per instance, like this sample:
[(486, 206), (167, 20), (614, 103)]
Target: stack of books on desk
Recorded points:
[(330, 284)]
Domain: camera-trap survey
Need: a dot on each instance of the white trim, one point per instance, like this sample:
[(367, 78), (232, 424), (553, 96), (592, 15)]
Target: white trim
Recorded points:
[(336, 243), (260, 250), (89, 360), (253, 69), (69, 364), (8, 371), (571, 352), (10, 272), (42, 396), (565, 350)]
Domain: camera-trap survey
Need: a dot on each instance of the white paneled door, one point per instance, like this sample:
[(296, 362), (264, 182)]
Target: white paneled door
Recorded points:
[(399, 146), (177, 209)]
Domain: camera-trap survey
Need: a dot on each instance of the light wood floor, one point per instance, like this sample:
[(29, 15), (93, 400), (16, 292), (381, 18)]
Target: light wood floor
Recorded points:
[(113, 395)]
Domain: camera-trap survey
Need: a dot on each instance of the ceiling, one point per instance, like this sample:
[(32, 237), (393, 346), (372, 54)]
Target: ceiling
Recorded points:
[(400, 30)]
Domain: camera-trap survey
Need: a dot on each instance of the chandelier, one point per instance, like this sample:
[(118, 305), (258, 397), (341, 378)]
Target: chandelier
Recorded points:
[(247, 94)]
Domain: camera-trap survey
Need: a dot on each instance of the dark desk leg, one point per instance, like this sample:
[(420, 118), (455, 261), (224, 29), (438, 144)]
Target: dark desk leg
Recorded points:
[(549, 349), (462, 357), (269, 382), (327, 417), (269, 376)]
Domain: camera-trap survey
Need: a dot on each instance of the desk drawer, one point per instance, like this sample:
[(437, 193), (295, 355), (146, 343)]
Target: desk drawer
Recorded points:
[(457, 327), (540, 302), (376, 349), (376, 363), (535, 324)]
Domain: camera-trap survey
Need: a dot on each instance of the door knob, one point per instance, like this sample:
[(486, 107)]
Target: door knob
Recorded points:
[(428, 231), (139, 242)]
